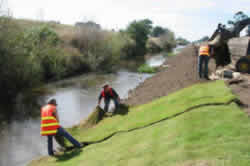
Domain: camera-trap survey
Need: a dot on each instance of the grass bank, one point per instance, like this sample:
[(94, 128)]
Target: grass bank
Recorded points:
[(209, 135)]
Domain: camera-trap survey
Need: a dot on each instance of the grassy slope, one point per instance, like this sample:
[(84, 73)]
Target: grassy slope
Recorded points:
[(157, 110), (214, 135)]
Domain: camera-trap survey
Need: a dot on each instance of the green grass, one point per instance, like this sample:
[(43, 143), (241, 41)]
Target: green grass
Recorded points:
[(214, 135), (169, 54), (145, 68), (157, 110)]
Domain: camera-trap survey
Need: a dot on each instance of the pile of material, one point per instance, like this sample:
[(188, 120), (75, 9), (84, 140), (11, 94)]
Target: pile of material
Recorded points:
[(98, 114), (225, 74)]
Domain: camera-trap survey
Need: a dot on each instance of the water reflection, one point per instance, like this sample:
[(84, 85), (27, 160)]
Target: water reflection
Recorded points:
[(156, 61), (178, 49)]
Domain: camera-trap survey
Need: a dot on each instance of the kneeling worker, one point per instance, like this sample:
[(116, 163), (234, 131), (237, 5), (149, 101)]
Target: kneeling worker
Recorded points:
[(109, 94), (50, 126)]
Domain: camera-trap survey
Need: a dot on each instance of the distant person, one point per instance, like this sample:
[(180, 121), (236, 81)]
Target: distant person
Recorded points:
[(204, 55), (50, 126), (109, 94)]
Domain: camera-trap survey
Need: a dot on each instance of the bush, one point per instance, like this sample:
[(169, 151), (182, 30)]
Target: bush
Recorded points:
[(92, 43), (165, 41), (32, 56), (18, 71), (168, 42), (43, 45), (129, 47), (41, 34), (154, 45), (169, 54), (74, 62), (56, 59), (139, 32), (159, 31), (102, 49), (146, 69), (181, 41)]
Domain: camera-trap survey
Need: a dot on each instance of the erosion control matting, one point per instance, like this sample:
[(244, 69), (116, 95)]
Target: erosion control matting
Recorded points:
[(98, 114), (236, 101)]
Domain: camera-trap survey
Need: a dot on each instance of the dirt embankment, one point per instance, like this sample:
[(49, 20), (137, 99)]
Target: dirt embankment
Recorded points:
[(182, 72), (242, 91)]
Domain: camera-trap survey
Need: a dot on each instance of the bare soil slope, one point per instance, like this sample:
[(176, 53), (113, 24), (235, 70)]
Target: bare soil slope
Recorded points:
[(182, 72), (242, 91)]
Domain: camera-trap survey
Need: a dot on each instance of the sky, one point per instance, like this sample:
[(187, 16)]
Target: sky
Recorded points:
[(191, 19)]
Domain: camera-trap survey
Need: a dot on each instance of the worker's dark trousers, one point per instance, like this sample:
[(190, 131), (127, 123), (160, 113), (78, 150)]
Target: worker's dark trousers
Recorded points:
[(65, 134), (107, 102), (203, 66)]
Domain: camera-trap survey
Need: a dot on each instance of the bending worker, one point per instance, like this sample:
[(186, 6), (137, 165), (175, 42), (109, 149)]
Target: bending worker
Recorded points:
[(50, 126), (109, 94), (204, 55)]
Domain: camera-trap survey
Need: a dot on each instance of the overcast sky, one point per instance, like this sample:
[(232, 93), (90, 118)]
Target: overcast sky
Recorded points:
[(191, 19)]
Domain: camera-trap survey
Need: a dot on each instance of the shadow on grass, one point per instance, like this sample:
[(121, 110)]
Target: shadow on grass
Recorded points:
[(95, 117), (122, 110), (68, 155), (99, 114)]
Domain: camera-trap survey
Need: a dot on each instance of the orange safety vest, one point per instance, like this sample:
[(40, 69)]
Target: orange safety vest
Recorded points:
[(49, 124), (204, 50), (110, 91)]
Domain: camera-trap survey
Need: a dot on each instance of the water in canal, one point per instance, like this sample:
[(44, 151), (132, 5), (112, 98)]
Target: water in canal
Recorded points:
[(20, 141)]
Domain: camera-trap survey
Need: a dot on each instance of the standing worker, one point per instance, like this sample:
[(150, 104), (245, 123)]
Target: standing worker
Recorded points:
[(50, 126), (204, 55), (109, 94)]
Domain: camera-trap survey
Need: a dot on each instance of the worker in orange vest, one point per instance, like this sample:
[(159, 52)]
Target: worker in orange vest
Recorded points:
[(50, 126), (204, 55), (109, 94)]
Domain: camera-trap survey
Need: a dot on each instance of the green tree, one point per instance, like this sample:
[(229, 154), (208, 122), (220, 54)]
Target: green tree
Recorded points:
[(18, 71), (139, 32), (168, 41), (158, 31), (165, 42), (182, 41)]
